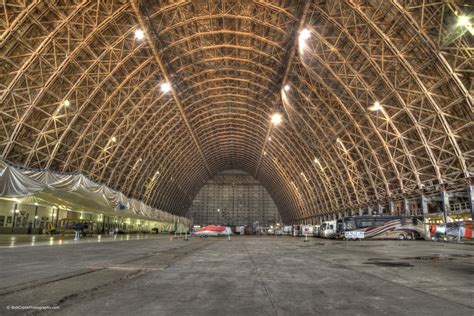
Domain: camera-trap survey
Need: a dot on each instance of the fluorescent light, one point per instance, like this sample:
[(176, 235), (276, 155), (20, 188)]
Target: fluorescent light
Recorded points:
[(305, 34), (463, 20), (165, 87), (139, 35), (276, 118)]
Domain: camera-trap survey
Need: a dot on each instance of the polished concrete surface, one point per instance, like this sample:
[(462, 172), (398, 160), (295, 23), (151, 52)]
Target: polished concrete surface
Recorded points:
[(245, 276), (11, 241)]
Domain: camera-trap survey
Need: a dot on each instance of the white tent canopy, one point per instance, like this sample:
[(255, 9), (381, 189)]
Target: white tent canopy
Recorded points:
[(72, 191)]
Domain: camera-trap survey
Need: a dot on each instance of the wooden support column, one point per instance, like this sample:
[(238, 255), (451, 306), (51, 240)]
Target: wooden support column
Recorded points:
[(445, 205), (470, 194), (424, 210), (406, 206)]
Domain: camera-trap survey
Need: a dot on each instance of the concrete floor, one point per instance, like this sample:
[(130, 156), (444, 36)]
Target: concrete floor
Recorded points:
[(11, 241), (246, 276)]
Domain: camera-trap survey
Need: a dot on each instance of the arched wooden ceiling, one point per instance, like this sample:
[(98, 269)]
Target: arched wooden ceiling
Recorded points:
[(228, 62)]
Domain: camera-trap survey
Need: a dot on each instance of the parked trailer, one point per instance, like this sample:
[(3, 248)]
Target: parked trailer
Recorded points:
[(380, 227), (278, 231), (240, 230), (307, 230), (316, 230), (287, 230), (296, 231)]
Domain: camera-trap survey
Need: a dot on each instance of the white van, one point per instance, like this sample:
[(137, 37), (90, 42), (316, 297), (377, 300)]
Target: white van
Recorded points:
[(328, 229)]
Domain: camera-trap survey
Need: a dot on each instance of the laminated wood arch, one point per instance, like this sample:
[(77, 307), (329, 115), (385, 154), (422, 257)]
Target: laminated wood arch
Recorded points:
[(79, 93)]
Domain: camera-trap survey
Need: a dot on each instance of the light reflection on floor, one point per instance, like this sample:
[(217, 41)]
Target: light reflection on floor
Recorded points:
[(12, 241)]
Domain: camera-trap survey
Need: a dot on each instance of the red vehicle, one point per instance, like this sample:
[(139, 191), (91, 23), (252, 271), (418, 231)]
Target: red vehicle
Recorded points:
[(212, 230)]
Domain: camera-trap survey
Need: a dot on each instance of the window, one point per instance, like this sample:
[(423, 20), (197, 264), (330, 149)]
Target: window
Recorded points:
[(365, 222), (350, 224), (380, 222)]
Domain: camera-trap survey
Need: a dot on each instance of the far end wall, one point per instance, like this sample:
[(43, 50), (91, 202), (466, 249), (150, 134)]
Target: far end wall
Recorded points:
[(234, 198)]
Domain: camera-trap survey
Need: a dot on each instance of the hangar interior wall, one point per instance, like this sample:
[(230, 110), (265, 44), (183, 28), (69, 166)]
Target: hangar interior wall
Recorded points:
[(233, 197)]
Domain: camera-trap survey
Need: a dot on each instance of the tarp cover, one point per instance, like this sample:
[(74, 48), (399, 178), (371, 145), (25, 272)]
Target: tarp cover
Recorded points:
[(73, 191)]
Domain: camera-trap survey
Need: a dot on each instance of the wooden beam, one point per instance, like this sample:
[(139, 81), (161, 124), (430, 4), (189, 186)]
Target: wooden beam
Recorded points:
[(167, 77)]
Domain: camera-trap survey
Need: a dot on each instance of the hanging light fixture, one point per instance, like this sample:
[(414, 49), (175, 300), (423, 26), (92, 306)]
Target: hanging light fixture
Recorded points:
[(139, 35), (375, 107), (463, 20), (305, 34), (276, 118), (165, 87)]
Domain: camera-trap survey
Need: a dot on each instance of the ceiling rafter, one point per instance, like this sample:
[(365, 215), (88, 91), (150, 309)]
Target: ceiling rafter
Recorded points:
[(80, 92), (167, 78), (286, 70)]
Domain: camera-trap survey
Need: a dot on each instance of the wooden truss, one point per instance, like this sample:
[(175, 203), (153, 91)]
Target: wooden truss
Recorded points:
[(79, 93)]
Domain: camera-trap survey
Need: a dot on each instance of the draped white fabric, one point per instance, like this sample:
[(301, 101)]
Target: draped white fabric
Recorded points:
[(72, 189)]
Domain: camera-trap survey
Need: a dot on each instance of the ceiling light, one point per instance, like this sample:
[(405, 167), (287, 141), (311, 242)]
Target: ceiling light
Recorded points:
[(305, 34), (66, 103), (286, 88), (114, 139), (269, 138), (139, 35), (376, 107), (276, 118), (463, 20), (165, 87)]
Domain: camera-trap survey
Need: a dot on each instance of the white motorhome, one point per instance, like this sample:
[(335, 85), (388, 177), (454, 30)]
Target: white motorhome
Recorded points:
[(316, 230), (328, 229), (307, 230), (287, 230), (296, 230), (240, 230)]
